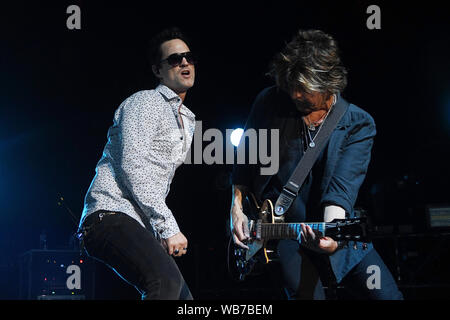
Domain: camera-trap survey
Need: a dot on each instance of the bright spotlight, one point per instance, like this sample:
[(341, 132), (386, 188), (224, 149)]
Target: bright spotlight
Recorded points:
[(236, 136)]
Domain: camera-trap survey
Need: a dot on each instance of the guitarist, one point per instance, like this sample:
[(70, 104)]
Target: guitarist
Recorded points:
[(309, 77)]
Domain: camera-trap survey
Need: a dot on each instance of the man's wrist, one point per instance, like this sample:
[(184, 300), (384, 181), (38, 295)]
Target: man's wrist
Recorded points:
[(332, 212)]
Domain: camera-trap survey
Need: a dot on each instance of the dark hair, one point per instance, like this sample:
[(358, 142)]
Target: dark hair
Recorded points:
[(154, 48), (310, 62)]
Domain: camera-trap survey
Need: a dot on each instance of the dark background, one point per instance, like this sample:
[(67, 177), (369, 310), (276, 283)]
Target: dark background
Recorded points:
[(59, 89)]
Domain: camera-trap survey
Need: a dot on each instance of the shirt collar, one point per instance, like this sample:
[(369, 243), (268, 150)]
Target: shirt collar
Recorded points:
[(167, 93), (174, 100), (345, 120)]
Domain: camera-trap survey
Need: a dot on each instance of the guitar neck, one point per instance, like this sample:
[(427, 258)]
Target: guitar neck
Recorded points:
[(290, 230)]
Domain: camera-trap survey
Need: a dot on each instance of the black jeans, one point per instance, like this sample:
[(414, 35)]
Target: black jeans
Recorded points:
[(303, 270), (135, 255)]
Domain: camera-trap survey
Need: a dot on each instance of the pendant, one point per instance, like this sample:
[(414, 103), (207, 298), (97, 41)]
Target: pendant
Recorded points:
[(312, 144)]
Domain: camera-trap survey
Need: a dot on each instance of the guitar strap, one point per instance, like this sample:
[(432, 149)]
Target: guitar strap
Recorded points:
[(292, 187)]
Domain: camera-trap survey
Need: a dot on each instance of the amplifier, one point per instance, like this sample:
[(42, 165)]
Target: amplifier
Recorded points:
[(56, 275), (438, 216)]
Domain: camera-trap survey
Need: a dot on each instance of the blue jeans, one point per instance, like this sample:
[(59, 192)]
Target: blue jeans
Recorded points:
[(304, 273), (135, 255)]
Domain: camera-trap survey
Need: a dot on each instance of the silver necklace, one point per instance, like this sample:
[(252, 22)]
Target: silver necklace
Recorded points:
[(312, 144)]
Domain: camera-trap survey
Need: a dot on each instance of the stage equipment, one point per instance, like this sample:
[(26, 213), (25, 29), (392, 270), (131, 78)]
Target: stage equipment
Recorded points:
[(56, 275), (438, 216)]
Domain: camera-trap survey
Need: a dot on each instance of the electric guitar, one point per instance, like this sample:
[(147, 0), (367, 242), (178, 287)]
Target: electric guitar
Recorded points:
[(264, 227)]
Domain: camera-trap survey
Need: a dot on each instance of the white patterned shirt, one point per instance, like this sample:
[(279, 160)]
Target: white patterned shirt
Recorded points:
[(146, 144)]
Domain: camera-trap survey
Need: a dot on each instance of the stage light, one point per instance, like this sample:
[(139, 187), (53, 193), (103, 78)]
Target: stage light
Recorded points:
[(235, 136)]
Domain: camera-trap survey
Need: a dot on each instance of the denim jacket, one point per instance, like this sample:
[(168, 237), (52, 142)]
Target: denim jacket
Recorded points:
[(346, 158)]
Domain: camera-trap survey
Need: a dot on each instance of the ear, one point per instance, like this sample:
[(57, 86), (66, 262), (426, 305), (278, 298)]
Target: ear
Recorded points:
[(156, 72)]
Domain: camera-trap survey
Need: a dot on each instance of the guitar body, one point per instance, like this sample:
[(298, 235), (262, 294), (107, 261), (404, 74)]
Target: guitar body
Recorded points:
[(261, 251), (265, 228), (265, 215)]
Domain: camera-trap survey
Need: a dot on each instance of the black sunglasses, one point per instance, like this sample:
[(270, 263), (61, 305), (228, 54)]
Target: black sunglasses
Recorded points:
[(175, 59)]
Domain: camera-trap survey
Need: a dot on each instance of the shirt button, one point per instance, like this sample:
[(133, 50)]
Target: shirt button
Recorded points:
[(181, 138)]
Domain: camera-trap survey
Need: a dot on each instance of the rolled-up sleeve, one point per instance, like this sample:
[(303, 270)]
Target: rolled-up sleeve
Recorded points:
[(137, 129), (351, 168)]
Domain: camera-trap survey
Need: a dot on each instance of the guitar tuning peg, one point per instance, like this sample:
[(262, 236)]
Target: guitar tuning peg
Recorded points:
[(355, 246)]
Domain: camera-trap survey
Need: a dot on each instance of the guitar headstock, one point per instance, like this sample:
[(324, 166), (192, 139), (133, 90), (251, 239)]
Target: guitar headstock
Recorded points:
[(354, 229)]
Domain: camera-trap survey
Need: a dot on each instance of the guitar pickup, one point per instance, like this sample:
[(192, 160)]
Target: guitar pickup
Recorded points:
[(258, 229)]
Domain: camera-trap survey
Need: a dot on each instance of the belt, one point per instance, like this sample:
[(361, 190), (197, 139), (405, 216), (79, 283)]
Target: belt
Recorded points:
[(91, 220)]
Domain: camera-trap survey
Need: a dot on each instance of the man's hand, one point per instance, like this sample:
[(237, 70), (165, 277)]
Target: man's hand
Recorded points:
[(239, 226), (238, 220), (176, 245), (313, 240)]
